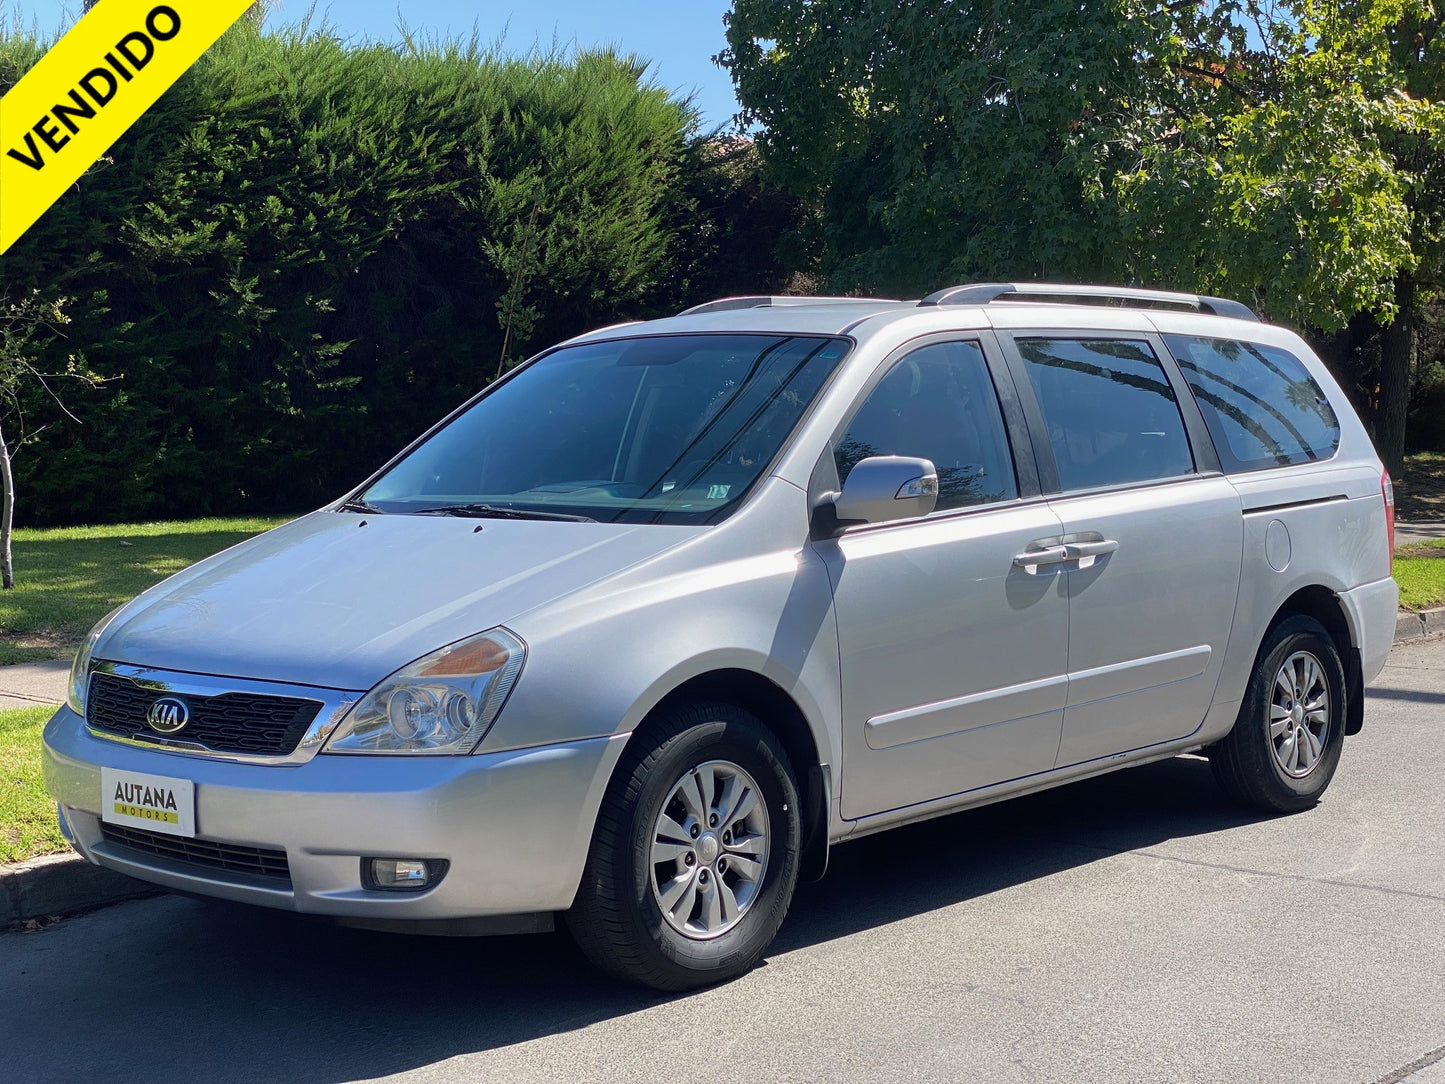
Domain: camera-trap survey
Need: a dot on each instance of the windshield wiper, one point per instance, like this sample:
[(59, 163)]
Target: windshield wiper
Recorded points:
[(491, 511), (356, 504)]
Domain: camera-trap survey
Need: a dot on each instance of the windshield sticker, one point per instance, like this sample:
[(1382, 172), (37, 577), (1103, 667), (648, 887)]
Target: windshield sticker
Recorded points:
[(717, 493)]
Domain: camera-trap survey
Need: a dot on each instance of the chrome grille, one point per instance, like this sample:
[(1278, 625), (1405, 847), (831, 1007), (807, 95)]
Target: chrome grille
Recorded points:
[(202, 853), (245, 723)]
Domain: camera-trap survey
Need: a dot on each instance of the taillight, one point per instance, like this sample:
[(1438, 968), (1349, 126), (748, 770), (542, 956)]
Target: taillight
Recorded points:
[(1387, 487)]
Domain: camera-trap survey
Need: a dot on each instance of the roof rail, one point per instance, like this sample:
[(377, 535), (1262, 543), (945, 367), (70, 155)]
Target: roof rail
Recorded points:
[(725, 304), (982, 293)]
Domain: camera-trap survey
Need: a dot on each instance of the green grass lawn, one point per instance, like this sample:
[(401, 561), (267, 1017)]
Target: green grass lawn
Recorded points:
[(27, 813), (1420, 572), (69, 578)]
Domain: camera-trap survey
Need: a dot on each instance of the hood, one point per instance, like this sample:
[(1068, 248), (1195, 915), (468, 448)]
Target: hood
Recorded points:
[(328, 601)]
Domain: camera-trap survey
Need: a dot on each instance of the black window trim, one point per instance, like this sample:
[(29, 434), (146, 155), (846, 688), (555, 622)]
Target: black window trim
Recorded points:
[(1201, 444), (1245, 340), (1016, 430)]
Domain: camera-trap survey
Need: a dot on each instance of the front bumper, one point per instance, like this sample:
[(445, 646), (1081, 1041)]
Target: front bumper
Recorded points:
[(514, 826)]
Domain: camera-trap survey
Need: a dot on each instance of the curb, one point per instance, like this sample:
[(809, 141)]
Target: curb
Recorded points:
[(61, 884), (1417, 626)]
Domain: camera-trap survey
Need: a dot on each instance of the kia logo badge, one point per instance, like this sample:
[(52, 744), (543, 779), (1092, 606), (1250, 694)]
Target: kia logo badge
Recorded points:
[(168, 715)]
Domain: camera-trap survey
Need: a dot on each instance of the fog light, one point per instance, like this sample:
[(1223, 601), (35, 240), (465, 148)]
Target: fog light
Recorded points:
[(401, 874)]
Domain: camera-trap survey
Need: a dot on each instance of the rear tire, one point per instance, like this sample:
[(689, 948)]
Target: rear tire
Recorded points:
[(1287, 740), (696, 851)]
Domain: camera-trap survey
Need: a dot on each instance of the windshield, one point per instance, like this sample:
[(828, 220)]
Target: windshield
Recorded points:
[(669, 429)]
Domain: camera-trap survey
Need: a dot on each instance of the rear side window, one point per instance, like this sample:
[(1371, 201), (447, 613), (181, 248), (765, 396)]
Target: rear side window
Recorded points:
[(1262, 406), (938, 403), (1109, 409)]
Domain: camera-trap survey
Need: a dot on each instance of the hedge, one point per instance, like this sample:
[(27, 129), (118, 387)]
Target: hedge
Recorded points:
[(309, 250)]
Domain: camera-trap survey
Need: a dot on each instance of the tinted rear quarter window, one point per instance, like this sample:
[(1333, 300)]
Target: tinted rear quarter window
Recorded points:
[(1261, 405)]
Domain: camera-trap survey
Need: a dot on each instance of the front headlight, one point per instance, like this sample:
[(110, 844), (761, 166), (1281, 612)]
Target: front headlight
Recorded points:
[(80, 669), (441, 704)]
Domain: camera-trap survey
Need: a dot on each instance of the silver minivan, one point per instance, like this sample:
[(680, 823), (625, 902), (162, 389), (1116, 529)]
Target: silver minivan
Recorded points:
[(641, 631)]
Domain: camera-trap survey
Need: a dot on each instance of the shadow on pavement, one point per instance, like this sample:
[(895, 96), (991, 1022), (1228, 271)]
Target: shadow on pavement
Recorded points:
[(174, 989), (1412, 695), (922, 867)]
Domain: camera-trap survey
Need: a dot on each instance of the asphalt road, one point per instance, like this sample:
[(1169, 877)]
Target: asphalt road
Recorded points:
[(1131, 928)]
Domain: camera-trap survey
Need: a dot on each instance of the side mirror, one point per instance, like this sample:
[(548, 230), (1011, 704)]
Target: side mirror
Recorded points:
[(884, 488)]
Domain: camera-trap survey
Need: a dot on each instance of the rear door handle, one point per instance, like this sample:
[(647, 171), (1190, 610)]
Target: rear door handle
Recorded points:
[(1086, 553), (1033, 560)]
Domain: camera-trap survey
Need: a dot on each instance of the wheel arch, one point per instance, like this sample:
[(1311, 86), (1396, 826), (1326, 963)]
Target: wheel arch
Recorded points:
[(1326, 607), (781, 713)]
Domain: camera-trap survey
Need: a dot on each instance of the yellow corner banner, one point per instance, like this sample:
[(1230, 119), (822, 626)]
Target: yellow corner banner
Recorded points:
[(89, 89)]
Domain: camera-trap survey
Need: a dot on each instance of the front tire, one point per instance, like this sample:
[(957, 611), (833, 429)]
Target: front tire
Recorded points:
[(696, 851), (1286, 743)]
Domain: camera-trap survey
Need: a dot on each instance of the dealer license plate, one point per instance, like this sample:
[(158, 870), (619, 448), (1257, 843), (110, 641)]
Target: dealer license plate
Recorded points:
[(156, 803)]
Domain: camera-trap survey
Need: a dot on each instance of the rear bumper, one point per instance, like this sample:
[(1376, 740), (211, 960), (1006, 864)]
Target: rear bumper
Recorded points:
[(514, 827), (1372, 611)]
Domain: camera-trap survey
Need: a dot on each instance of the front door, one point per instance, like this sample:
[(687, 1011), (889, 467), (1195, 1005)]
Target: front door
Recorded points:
[(953, 654)]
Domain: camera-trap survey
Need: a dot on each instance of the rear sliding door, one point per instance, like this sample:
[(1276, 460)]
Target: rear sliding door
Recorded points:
[(1154, 534)]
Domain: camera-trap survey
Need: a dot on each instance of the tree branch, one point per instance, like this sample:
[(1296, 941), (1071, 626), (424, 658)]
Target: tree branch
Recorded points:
[(1221, 80)]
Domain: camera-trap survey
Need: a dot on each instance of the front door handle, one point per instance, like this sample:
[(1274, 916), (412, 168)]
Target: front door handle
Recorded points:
[(1033, 560), (1086, 553)]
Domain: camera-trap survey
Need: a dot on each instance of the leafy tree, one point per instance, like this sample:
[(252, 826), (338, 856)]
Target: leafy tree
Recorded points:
[(944, 141), (1285, 153), (1306, 175)]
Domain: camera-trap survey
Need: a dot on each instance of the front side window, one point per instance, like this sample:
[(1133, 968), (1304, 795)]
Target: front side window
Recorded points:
[(1261, 405), (668, 429), (1109, 409), (938, 403)]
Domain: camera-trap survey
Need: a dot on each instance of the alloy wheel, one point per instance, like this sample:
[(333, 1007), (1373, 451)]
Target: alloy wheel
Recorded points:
[(710, 850), (1299, 714)]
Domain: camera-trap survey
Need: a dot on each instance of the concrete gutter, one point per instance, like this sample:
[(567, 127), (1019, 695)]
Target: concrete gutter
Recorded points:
[(59, 885), (1416, 626)]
